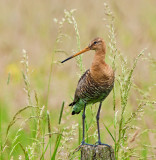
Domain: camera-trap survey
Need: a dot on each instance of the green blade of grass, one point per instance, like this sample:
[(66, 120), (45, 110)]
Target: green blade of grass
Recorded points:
[(61, 112), (8, 80), (79, 141), (25, 152), (144, 153), (109, 132), (45, 149), (58, 140), (59, 136)]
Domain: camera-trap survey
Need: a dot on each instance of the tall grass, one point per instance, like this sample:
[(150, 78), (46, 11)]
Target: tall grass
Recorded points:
[(124, 82), (1, 148), (39, 118), (30, 134)]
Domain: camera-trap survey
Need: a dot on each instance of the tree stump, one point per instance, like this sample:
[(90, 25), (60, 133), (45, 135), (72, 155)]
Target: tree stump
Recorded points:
[(99, 152)]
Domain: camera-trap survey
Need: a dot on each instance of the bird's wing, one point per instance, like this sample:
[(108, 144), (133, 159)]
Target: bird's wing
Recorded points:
[(80, 86)]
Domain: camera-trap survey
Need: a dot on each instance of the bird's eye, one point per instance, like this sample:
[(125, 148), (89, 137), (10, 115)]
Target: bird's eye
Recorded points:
[(95, 42)]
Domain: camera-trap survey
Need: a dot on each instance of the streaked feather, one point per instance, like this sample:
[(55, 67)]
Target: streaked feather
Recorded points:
[(89, 91)]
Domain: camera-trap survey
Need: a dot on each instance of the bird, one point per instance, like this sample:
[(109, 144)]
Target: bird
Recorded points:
[(94, 85)]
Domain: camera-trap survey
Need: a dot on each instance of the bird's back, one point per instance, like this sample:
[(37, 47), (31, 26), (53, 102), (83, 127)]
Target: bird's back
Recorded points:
[(90, 91)]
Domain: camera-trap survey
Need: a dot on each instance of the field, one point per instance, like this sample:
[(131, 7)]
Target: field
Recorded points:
[(36, 89)]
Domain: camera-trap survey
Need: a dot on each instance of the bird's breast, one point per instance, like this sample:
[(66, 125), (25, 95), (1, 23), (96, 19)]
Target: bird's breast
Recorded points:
[(102, 74)]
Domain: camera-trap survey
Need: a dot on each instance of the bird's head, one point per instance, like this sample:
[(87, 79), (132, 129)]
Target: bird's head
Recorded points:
[(95, 44)]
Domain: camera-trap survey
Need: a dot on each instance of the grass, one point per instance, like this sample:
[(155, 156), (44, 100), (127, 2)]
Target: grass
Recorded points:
[(37, 131)]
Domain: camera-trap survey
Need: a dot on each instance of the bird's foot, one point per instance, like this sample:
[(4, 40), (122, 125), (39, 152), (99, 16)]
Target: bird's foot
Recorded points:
[(84, 143), (99, 143)]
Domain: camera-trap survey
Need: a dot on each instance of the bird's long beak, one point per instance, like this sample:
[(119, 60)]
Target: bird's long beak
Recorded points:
[(82, 51)]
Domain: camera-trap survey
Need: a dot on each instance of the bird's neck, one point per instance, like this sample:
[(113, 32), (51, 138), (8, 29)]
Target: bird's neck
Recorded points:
[(99, 57), (99, 67)]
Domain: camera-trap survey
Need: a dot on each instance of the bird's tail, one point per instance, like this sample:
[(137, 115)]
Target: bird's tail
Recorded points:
[(73, 103), (77, 106)]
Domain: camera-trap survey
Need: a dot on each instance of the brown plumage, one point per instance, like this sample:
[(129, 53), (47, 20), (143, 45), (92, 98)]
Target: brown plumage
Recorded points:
[(96, 83)]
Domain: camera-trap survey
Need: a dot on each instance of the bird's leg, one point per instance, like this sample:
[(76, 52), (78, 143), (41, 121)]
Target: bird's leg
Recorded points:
[(97, 119), (83, 124)]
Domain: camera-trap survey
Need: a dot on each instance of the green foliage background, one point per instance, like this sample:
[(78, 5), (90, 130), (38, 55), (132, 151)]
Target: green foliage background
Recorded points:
[(35, 89)]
